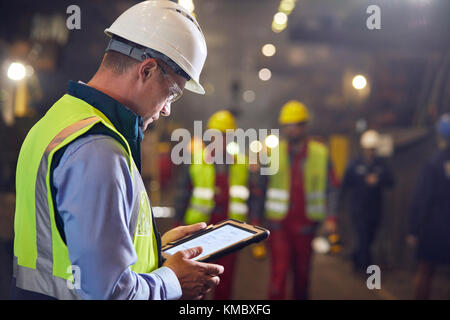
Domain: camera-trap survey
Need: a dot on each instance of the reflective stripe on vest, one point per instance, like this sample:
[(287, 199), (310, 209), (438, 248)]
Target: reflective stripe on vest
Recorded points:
[(203, 193), (41, 262), (203, 181), (238, 190), (315, 178)]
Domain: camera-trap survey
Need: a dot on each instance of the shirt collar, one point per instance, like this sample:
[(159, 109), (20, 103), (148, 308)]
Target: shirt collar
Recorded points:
[(128, 123)]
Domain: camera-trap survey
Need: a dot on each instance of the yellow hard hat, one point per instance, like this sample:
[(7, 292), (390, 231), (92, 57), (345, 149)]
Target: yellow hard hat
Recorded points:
[(222, 120), (293, 112)]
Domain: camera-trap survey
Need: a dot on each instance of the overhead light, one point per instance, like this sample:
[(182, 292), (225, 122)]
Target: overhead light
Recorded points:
[(287, 6), (271, 141), (277, 28), (255, 146), (264, 74), (359, 82), (233, 148), (16, 71), (249, 96), (269, 50), (280, 18)]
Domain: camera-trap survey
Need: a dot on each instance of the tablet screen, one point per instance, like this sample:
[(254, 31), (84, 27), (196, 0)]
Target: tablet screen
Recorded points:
[(213, 241)]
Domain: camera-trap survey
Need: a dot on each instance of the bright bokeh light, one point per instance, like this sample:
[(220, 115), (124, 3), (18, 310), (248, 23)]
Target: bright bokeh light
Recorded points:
[(16, 71), (269, 50), (265, 74), (277, 28), (320, 245), (233, 148), (272, 141), (359, 82), (280, 18), (287, 6), (255, 146), (249, 96)]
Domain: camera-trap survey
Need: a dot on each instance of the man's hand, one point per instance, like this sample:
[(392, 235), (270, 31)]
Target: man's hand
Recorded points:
[(196, 278), (181, 232)]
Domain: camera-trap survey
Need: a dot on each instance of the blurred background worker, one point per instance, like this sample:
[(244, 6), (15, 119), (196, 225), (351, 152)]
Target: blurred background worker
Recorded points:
[(430, 214), (366, 177), (297, 198), (212, 190)]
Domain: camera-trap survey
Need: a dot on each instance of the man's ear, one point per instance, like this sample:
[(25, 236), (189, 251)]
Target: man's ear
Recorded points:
[(147, 69)]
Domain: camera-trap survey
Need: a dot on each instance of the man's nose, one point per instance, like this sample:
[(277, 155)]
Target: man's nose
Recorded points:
[(165, 111)]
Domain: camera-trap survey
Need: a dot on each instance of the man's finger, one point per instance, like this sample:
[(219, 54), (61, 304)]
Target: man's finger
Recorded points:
[(212, 269), (194, 228), (212, 282), (191, 252), (199, 297)]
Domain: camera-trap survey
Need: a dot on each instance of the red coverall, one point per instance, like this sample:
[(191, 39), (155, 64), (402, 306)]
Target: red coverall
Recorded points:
[(224, 290), (290, 239)]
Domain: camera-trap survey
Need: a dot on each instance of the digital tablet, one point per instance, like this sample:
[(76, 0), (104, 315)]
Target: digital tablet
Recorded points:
[(219, 240)]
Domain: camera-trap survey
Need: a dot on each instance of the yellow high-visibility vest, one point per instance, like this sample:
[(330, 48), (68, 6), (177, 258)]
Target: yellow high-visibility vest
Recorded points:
[(315, 181), (41, 260), (202, 202)]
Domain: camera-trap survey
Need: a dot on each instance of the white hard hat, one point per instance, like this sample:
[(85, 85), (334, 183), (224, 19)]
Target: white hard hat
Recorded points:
[(168, 28), (370, 139)]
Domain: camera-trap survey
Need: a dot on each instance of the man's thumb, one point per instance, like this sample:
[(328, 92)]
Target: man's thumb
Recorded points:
[(192, 252)]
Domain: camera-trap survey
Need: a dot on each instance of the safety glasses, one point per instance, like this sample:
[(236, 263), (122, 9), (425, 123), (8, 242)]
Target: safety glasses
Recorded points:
[(175, 91)]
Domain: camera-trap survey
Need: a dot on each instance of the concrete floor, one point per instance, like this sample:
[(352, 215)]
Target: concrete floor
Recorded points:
[(330, 279), (333, 279)]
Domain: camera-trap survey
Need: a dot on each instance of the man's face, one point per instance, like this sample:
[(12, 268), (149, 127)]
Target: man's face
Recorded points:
[(296, 131), (154, 94)]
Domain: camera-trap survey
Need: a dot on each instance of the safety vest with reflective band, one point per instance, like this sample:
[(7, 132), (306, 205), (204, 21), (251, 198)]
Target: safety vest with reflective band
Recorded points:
[(41, 260), (315, 175), (202, 199)]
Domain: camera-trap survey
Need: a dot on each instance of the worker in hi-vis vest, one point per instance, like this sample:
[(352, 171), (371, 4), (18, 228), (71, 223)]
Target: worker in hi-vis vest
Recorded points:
[(84, 227), (214, 188), (300, 195)]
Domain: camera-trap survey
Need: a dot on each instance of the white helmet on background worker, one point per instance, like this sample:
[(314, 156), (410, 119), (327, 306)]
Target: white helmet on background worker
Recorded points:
[(166, 31), (370, 139)]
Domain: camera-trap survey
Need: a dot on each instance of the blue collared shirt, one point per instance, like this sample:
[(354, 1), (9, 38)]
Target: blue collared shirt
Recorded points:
[(93, 197)]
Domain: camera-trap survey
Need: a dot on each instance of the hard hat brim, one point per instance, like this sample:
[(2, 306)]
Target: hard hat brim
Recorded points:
[(195, 87)]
